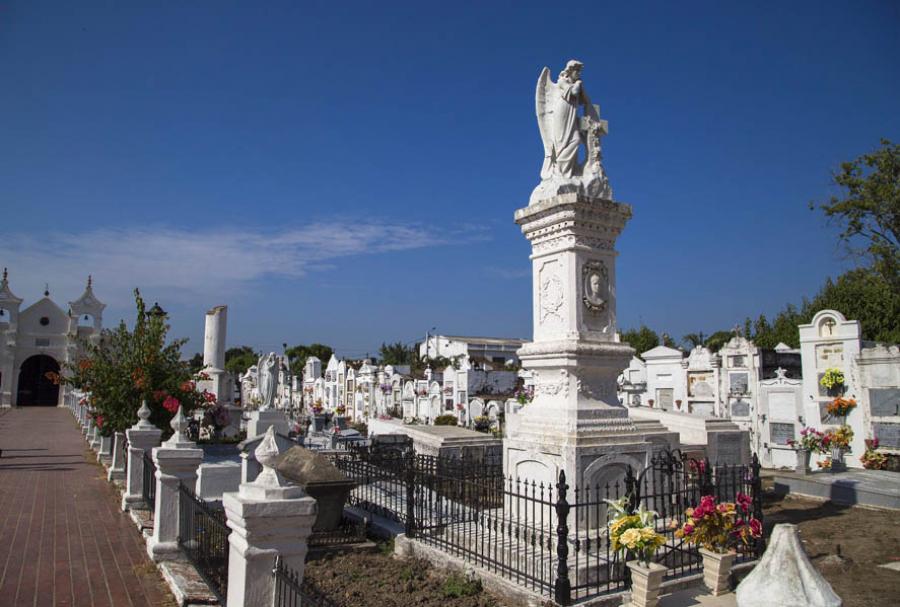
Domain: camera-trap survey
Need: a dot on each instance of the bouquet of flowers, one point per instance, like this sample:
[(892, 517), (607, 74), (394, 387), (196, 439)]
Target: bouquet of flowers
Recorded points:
[(840, 407), (840, 437), (872, 459), (317, 407), (634, 533), (719, 527), (832, 378), (340, 409), (810, 439)]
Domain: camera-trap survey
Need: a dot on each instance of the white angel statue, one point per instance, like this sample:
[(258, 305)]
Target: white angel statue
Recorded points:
[(563, 131), (268, 378)]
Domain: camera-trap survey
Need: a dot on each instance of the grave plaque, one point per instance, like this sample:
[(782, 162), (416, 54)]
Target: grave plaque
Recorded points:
[(740, 408), (739, 383), (780, 434), (884, 402), (728, 448), (888, 435)]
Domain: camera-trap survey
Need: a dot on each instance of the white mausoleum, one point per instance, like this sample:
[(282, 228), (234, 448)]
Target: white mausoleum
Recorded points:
[(39, 340)]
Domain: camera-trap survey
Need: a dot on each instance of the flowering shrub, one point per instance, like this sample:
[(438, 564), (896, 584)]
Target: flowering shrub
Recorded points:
[(216, 417), (810, 439), (840, 407), (872, 459), (720, 527), (126, 367), (633, 533), (832, 378)]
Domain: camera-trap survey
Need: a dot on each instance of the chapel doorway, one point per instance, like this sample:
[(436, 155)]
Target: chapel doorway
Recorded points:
[(35, 388)]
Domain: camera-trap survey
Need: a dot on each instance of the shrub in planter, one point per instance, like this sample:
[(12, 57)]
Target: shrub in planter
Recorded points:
[(445, 420)]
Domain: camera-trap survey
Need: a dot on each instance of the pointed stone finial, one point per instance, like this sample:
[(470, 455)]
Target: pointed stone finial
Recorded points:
[(143, 416), (5, 275), (179, 424), (90, 281), (266, 454), (46, 289)]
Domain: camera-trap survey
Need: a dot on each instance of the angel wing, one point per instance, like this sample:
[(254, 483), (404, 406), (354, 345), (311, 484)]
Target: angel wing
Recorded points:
[(544, 86)]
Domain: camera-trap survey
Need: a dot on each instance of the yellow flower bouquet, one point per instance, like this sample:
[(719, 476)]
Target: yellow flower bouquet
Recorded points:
[(633, 532)]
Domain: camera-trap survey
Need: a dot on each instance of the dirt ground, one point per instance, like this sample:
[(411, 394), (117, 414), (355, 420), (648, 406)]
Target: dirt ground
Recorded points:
[(846, 544), (362, 580)]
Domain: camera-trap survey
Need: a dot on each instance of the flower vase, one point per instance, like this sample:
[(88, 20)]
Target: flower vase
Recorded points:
[(717, 570), (646, 581), (802, 466), (837, 459)]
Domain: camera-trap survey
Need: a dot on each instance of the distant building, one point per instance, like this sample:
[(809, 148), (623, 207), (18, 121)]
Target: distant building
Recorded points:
[(494, 352), (39, 340)]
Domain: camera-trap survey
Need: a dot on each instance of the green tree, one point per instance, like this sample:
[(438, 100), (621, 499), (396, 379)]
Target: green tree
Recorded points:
[(717, 340), (239, 359), (641, 339), (692, 340), (127, 367), (867, 296), (869, 208), (195, 363), (298, 354), (397, 354)]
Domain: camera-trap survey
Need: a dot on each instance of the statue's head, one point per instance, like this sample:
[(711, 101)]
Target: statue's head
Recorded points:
[(573, 70), (595, 284)]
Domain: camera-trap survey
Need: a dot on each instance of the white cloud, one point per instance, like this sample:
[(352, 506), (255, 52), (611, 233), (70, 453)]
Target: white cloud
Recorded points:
[(191, 265)]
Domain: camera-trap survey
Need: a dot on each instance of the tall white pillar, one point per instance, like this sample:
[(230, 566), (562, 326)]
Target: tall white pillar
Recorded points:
[(142, 437), (176, 462), (214, 338), (268, 517)]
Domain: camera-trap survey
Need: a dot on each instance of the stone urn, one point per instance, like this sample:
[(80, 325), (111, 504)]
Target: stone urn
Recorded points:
[(802, 466), (717, 570), (646, 581)]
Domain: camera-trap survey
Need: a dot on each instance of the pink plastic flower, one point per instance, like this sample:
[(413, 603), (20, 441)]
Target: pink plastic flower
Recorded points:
[(171, 404)]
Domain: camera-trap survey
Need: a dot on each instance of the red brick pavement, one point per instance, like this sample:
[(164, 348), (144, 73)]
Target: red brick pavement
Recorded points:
[(63, 539)]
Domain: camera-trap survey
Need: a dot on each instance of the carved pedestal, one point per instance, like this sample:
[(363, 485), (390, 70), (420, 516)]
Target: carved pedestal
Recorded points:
[(575, 422)]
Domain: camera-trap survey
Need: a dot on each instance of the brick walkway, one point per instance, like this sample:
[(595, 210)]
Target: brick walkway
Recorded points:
[(63, 538)]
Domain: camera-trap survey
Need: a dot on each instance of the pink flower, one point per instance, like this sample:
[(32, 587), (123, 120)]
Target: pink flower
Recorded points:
[(688, 529), (209, 397), (743, 502), (187, 386), (171, 404), (755, 527)]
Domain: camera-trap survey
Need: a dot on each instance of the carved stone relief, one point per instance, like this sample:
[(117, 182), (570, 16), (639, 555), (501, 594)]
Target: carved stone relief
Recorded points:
[(551, 293)]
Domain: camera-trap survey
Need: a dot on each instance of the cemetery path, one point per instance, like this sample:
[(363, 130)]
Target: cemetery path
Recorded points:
[(63, 539)]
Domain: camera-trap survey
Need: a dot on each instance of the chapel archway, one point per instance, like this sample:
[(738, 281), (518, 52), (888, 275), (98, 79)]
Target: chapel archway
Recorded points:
[(35, 388)]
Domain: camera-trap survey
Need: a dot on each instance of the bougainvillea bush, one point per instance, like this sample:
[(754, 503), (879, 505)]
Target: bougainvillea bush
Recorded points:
[(128, 366)]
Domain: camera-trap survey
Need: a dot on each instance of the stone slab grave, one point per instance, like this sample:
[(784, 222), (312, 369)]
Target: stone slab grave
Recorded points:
[(452, 442), (877, 488)]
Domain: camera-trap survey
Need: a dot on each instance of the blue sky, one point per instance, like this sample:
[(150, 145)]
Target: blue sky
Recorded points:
[(347, 172)]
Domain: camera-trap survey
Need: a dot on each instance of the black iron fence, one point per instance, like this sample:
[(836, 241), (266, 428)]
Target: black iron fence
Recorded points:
[(148, 489), (290, 591), (203, 535), (549, 537)]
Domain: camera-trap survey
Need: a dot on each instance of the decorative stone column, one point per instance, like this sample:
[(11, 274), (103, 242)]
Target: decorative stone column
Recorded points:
[(261, 421), (117, 468), (268, 517), (176, 462), (142, 437)]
